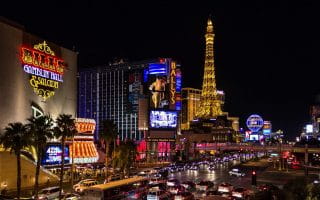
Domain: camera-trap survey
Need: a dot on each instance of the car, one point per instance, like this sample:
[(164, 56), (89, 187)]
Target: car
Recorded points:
[(85, 180), (69, 196), (267, 187), (156, 170), (204, 185), (184, 196), (188, 185), (211, 193), (180, 168), (295, 165), (156, 180), (236, 172), (225, 188), (176, 189), (172, 182), (241, 193), (194, 167), (157, 194), (159, 186), (157, 175), (211, 168), (79, 188), (49, 193)]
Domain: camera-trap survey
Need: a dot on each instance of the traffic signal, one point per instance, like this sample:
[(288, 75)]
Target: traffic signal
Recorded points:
[(254, 178)]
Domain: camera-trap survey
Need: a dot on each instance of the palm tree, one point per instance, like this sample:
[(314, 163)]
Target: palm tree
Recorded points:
[(15, 138), (65, 129), (109, 134), (124, 156), (41, 130)]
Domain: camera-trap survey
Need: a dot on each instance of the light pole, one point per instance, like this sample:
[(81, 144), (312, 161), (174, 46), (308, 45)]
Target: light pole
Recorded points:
[(72, 163), (280, 156)]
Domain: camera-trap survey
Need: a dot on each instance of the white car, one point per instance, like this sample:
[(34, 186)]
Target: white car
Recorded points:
[(225, 188), (242, 193), (49, 193), (236, 172), (172, 182), (156, 194), (83, 185)]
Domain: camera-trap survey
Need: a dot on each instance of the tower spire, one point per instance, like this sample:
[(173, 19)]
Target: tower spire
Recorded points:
[(210, 106)]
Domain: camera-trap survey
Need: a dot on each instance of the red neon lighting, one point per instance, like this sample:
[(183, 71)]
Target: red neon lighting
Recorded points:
[(44, 61), (161, 60), (83, 127)]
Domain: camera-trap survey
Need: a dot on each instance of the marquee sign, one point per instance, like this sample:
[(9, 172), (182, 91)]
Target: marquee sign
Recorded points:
[(173, 83), (44, 67)]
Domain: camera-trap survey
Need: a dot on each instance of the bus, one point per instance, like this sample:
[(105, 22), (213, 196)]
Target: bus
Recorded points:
[(130, 188)]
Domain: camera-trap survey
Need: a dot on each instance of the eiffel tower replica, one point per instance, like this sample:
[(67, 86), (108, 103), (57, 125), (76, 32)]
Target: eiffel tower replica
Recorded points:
[(210, 105), (210, 120)]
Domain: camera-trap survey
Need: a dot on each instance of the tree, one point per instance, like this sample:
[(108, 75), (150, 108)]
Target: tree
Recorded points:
[(109, 134), (16, 137), (41, 130), (65, 129), (124, 156)]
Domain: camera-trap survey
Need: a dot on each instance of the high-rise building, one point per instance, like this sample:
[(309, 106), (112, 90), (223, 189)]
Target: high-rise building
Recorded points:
[(122, 92), (190, 106), (210, 104), (191, 103)]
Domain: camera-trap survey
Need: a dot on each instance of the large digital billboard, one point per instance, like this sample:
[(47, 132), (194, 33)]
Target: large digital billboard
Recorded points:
[(163, 119), (158, 87), (53, 153)]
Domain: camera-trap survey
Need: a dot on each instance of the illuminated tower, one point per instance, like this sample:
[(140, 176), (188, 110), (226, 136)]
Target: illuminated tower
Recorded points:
[(210, 105)]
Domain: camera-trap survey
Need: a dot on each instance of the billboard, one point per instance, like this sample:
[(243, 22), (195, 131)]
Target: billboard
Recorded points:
[(158, 68), (254, 123), (266, 129), (163, 119), (159, 87), (309, 128), (53, 153)]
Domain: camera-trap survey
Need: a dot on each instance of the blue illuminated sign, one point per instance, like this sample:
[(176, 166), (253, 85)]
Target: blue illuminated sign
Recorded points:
[(178, 105), (178, 80), (145, 75), (52, 155), (158, 68), (266, 131), (163, 119), (254, 123)]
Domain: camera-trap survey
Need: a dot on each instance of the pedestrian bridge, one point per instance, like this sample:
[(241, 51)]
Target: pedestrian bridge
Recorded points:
[(256, 147)]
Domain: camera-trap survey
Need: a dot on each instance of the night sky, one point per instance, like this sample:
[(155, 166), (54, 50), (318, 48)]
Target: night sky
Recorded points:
[(266, 54)]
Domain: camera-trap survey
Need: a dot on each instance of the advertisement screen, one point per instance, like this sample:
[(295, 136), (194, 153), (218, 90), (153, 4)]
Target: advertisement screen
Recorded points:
[(309, 128), (159, 91), (266, 131), (52, 155), (163, 119)]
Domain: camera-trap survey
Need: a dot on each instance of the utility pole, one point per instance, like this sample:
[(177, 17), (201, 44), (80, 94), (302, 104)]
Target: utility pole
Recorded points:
[(280, 156)]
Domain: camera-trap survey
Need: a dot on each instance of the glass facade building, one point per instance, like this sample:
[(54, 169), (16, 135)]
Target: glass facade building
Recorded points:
[(119, 92)]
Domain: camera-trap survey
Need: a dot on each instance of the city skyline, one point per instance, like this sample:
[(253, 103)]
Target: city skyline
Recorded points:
[(264, 54)]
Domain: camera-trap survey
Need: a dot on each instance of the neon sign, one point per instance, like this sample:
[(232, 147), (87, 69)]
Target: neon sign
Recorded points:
[(173, 83), (178, 80), (53, 155), (45, 69)]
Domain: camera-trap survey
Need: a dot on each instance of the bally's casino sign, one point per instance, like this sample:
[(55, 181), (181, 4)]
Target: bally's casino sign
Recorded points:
[(44, 67)]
